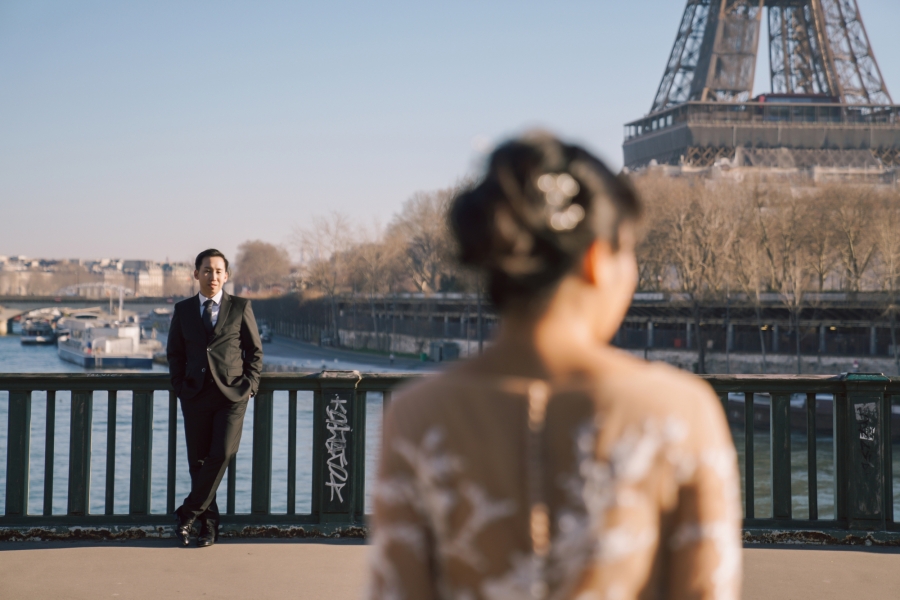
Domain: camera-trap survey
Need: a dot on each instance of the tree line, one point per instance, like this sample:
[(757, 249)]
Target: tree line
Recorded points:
[(707, 240), (337, 256), (713, 240)]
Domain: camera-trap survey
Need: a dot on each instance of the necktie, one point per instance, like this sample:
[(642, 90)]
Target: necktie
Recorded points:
[(207, 316)]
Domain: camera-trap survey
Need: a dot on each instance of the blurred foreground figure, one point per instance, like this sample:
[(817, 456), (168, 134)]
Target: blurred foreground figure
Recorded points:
[(555, 466)]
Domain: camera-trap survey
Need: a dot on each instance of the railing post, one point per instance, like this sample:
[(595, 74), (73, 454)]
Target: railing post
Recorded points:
[(141, 451), (80, 453), (862, 414), (358, 470), (811, 462), (337, 489), (261, 490), (749, 431), (172, 453), (19, 445), (780, 441), (231, 486), (111, 451), (292, 453), (49, 451), (840, 456), (888, 459)]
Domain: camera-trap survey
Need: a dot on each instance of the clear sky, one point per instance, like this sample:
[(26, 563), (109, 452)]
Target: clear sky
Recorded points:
[(154, 129)]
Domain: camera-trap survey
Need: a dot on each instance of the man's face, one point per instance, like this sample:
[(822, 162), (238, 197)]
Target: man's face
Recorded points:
[(212, 275)]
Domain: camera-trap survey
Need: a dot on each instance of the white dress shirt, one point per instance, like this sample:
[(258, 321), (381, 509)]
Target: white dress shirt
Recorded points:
[(217, 301)]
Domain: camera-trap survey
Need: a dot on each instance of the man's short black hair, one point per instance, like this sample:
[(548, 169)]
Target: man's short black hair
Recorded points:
[(209, 254)]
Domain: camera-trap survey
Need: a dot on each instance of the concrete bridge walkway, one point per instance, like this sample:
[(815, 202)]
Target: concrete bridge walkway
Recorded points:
[(336, 571)]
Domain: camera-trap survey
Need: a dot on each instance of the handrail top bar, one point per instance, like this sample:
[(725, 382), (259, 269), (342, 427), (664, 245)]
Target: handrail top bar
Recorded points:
[(327, 374), (800, 378), (354, 375), (801, 383), (160, 381), (383, 381)]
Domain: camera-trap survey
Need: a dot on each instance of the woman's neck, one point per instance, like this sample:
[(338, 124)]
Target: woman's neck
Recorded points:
[(560, 343)]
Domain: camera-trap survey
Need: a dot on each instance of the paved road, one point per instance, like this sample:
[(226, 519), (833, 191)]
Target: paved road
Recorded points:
[(149, 570)]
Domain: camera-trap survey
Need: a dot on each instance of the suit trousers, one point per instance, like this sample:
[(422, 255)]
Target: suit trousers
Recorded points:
[(212, 432)]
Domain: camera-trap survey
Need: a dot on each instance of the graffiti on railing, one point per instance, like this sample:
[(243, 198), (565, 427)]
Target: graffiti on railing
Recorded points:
[(866, 420), (337, 424)]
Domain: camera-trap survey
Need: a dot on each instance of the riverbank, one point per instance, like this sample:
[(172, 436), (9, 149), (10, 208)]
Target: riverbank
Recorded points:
[(740, 363)]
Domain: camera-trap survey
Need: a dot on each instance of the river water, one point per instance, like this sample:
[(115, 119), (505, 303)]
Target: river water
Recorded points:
[(15, 358)]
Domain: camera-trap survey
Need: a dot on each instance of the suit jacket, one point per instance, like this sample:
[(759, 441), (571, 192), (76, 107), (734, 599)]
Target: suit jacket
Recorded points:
[(232, 353)]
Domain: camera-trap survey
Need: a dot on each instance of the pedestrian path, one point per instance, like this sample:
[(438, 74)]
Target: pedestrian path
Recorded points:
[(154, 570), (148, 570)]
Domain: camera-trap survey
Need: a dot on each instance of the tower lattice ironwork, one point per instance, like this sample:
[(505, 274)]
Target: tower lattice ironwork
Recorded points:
[(823, 74), (815, 47)]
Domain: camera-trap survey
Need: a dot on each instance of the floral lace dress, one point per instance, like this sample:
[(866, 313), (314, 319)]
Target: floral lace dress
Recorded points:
[(508, 488)]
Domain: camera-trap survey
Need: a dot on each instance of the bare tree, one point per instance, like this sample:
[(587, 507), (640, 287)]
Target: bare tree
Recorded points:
[(260, 265), (886, 230), (698, 231), (654, 264), (324, 247), (748, 258), (782, 223), (852, 216), (376, 266), (421, 226), (820, 237)]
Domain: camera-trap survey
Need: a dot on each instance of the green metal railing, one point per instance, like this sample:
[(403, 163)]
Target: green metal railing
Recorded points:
[(338, 446), (861, 426)]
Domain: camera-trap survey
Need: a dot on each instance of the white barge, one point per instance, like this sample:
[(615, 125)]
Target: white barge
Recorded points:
[(97, 343)]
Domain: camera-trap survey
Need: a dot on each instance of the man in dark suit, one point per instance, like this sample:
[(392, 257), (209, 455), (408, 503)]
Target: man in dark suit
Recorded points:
[(215, 359)]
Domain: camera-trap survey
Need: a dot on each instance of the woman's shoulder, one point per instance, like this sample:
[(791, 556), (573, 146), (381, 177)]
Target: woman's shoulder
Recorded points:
[(656, 389), (421, 402), (632, 388), (630, 377)]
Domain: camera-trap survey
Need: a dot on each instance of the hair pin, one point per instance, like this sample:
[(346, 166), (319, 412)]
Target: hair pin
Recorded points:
[(559, 189)]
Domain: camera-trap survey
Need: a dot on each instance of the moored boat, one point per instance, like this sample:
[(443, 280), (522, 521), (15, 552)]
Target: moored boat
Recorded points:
[(97, 343), (38, 332)]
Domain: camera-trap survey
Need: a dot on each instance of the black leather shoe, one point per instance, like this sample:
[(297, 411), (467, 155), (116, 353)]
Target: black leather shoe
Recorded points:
[(183, 527), (209, 533)]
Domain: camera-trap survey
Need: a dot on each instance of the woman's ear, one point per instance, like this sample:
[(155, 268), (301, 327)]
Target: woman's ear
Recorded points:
[(593, 262)]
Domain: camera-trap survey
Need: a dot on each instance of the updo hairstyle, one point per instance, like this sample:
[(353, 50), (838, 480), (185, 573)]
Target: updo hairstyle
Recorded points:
[(537, 210)]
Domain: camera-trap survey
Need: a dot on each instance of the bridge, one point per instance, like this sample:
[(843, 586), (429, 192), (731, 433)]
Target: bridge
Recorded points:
[(296, 522), (136, 303), (14, 306)]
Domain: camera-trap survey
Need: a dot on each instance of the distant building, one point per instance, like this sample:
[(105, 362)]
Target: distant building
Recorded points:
[(25, 276), (133, 266), (178, 280)]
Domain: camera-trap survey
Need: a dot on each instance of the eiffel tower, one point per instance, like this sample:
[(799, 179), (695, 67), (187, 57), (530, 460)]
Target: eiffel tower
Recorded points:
[(828, 112)]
